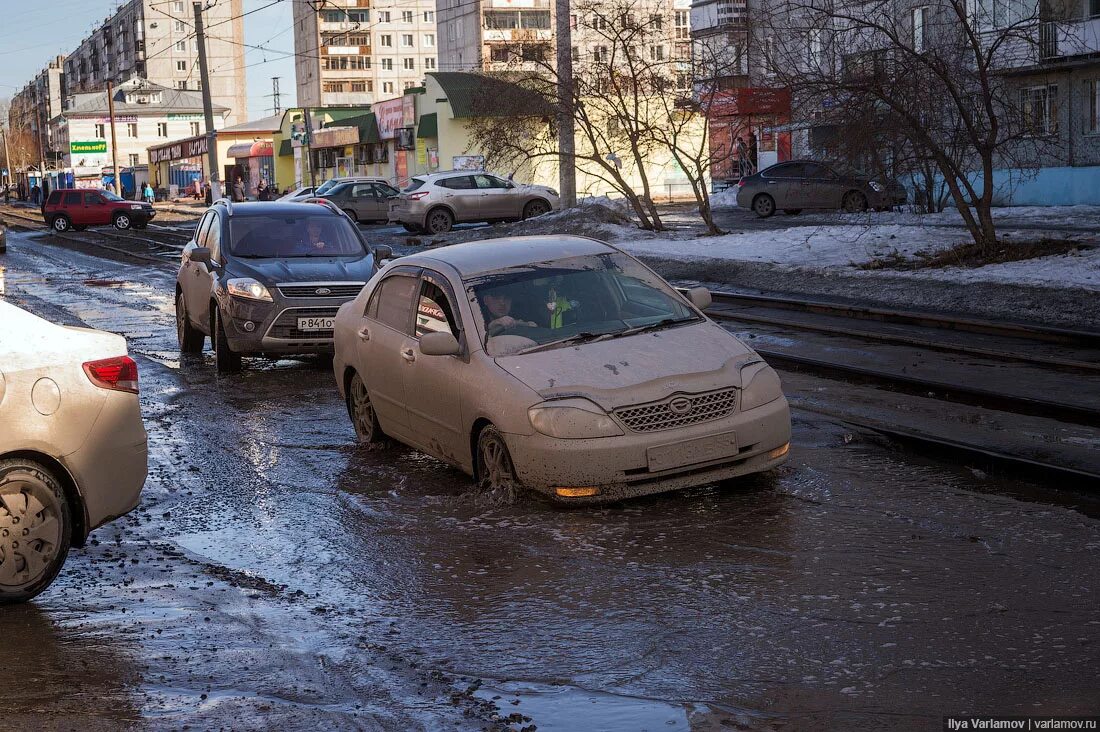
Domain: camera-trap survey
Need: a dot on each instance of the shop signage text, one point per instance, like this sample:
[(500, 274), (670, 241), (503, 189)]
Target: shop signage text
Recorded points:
[(87, 147), (192, 148)]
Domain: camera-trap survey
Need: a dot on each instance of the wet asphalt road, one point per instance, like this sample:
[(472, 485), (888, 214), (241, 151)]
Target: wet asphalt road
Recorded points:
[(278, 577)]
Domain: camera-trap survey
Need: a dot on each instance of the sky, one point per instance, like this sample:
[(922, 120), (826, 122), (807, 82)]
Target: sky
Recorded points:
[(29, 39)]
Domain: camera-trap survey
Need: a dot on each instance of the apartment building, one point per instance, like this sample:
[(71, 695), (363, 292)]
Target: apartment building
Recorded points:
[(155, 40), (37, 103), (354, 52)]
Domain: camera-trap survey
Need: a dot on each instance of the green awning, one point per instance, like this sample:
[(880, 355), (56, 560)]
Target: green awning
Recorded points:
[(428, 127), (285, 148)]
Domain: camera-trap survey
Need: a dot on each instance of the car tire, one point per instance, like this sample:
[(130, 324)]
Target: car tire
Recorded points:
[(438, 221), (61, 223), (225, 359), (854, 202), (363, 417), (122, 221), (191, 339), (763, 205), (352, 215), (35, 529), (538, 207), (496, 475), (792, 211)]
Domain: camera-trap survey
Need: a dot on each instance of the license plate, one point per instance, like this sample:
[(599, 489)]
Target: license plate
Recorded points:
[(316, 323), (690, 452)]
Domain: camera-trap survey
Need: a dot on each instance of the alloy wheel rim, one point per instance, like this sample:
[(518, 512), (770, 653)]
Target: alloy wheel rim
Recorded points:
[(179, 322), (60, 224), (30, 533), (439, 223), (498, 475), (123, 222), (362, 408)]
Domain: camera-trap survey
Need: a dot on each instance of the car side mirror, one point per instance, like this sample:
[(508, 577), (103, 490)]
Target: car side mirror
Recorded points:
[(383, 251), (440, 343), (699, 297), (201, 254)]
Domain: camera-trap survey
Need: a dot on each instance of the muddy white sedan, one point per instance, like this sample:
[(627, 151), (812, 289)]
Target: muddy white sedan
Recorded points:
[(559, 365)]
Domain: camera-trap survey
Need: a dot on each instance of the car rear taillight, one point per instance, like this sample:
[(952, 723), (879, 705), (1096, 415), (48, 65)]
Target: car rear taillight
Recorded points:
[(741, 183), (417, 196), (119, 373)]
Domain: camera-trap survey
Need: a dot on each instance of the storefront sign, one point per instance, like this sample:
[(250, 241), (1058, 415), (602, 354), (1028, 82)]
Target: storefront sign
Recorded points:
[(89, 147), (191, 148), (468, 162), (405, 138), (186, 117), (421, 154), (390, 116), (336, 137), (408, 110), (749, 100)]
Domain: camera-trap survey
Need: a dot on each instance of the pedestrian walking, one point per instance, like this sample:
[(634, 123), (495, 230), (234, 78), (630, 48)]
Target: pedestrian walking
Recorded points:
[(148, 194), (7, 193), (22, 191), (238, 190), (197, 189), (36, 194), (263, 193)]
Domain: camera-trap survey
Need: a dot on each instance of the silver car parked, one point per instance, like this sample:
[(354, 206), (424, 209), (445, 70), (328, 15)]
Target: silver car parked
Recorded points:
[(556, 364), (434, 203)]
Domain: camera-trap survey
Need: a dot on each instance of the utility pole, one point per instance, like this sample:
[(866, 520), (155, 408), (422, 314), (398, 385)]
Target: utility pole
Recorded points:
[(43, 138), (114, 137), (275, 94), (308, 146), (567, 166), (207, 107), (7, 155)]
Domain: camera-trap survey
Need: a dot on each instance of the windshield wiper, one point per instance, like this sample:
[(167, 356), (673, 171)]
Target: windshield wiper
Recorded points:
[(663, 323), (585, 337)]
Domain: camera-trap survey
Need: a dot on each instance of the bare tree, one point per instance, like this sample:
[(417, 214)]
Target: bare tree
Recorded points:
[(931, 79)]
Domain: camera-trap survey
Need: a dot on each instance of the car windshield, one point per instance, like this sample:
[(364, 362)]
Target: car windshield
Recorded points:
[(110, 196), (298, 235), (327, 186), (566, 301)]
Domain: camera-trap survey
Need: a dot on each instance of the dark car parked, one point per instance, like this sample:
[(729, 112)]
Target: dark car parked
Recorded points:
[(362, 201), (267, 278), (801, 184), (72, 208)]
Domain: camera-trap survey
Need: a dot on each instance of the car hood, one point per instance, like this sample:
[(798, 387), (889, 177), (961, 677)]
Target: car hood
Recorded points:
[(636, 369), (303, 269)]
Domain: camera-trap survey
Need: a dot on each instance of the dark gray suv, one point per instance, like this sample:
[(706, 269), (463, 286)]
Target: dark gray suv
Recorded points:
[(267, 278)]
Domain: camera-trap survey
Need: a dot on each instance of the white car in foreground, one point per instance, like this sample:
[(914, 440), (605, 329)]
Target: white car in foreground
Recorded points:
[(72, 444)]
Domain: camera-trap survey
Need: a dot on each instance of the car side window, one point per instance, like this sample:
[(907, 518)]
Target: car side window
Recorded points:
[(200, 230), (434, 311), (72, 199), (55, 198), (214, 238), (487, 181), (91, 198), (461, 183), (391, 302), (813, 170), (787, 170)]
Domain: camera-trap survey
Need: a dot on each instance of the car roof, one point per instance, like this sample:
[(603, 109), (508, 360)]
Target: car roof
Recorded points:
[(277, 208), (448, 173), (489, 254)]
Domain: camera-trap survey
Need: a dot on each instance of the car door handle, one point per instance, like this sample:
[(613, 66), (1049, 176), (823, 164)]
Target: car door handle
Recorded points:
[(364, 334), (772, 182), (407, 354)]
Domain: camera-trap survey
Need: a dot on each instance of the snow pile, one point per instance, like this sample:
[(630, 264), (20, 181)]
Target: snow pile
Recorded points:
[(726, 197)]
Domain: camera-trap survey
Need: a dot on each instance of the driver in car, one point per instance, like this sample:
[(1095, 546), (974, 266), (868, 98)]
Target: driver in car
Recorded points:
[(499, 305), (313, 242)]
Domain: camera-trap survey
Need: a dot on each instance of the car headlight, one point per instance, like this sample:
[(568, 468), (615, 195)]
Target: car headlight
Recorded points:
[(877, 187), (759, 386), (572, 419), (247, 288)]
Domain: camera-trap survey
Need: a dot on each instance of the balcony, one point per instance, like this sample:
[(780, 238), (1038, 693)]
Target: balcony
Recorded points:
[(517, 35)]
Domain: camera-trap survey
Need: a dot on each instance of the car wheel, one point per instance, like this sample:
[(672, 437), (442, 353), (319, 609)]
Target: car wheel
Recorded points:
[(535, 208), (412, 228), (362, 414), (122, 221), (496, 476), (35, 529), (439, 221), (763, 205), (352, 215), (61, 223), (191, 339), (792, 211), (225, 359), (854, 202)]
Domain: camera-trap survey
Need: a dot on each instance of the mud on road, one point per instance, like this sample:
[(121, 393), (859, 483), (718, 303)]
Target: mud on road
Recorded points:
[(278, 576)]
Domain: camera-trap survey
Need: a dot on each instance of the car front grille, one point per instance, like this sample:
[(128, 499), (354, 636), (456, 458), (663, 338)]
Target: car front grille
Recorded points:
[(286, 325), (335, 289), (661, 416)]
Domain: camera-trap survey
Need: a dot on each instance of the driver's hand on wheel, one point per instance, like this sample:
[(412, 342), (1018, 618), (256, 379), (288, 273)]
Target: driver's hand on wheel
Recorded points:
[(507, 321)]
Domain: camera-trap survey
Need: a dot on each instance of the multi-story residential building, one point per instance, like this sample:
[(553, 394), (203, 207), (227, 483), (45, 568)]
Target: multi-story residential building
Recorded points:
[(36, 104), (353, 52), (146, 115), (155, 40)]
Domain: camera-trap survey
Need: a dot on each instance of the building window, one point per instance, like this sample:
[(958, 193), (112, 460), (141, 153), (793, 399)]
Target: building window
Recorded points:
[(177, 6), (576, 54), (181, 66), (162, 129), (816, 47), (333, 87), (387, 87), (181, 46), (406, 16), (429, 63), (406, 40), (599, 54), (385, 40), (656, 53), (195, 129), (429, 16), (409, 85), (178, 26), (409, 64), (131, 129), (1094, 106), (387, 64), (429, 40), (358, 86), (1039, 105), (384, 16), (920, 22), (100, 131), (683, 27), (135, 159), (657, 21), (181, 84), (499, 54)]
